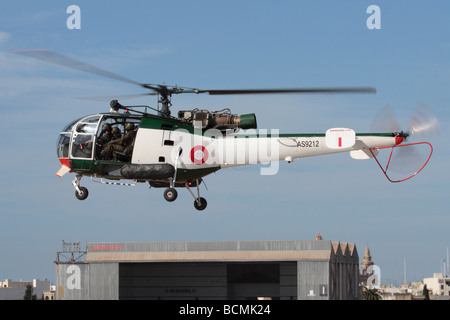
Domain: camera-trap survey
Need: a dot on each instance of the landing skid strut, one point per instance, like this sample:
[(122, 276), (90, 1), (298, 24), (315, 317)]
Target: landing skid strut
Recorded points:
[(170, 194), (199, 202), (80, 192)]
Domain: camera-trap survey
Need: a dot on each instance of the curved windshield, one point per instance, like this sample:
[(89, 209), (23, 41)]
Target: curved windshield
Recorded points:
[(78, 143), (63, 142), (87, 137), (88, 125), (69, 127), (83, 137), (62, 148)]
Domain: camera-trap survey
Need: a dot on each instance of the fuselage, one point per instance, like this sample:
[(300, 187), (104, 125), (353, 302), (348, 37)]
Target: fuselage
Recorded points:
[(194, 151)]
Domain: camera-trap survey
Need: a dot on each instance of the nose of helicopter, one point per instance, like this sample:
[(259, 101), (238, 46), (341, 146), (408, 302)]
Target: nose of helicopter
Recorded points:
[(65, 167), (65, 162), (62, 151)]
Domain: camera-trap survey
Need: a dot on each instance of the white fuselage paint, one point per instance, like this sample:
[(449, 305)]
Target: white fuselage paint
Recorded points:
[(156, 146)]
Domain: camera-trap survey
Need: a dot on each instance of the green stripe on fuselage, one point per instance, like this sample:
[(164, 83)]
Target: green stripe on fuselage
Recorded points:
[(160, 123)]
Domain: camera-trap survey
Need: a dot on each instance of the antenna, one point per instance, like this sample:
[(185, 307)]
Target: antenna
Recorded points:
[(71, 253), (444, 268), (404, 270), (448, 273)]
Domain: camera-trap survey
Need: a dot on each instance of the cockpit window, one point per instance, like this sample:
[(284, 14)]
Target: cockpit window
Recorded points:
[(113, 142), (82, 145), (62, 149), (88, 125), (83, 137), (69, 127), (87, 137)]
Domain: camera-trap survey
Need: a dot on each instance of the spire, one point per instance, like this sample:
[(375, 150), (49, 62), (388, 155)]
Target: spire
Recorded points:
[(318, 236), (367, 253)]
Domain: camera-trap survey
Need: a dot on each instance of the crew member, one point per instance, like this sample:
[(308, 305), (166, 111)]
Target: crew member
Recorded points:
[(122, 146), (105, 137)]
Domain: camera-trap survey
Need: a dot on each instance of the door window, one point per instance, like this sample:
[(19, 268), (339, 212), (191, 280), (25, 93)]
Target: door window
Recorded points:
[(83, 138)]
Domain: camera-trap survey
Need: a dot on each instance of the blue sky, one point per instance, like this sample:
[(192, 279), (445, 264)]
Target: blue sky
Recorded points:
[(227, 45)]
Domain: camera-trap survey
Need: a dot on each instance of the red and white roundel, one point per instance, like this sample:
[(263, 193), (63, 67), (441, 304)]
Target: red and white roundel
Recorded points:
[(199, 155)]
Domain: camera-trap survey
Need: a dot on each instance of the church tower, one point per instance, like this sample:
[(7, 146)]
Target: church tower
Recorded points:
[(366, 263)]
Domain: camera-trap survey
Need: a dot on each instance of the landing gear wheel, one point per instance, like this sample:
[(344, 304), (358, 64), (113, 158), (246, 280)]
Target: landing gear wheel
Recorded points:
[(202, 204), (83, 194), (170, 194)]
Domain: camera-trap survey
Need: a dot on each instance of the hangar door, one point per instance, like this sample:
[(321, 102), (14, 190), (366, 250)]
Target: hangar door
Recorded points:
[(205, 280), (250, 281), (172, 281)]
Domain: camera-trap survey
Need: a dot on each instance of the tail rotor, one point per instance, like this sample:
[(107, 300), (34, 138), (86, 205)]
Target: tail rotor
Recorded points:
[(407, 158)]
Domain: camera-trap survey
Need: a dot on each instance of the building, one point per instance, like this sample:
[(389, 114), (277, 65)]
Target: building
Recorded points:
[(366, 268), (290, 270), (438, 285), (406, 291), (15, 290)]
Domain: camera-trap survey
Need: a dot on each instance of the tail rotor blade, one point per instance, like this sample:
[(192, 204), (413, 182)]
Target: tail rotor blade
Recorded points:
[(385, 121), (424, 123), (410, 158), (407, 159)]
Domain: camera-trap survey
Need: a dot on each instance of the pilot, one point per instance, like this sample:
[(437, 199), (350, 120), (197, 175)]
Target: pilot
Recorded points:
[(102, 140), (123, 146), (106, 136)]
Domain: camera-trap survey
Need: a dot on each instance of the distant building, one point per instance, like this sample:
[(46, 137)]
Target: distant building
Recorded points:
[(396, 296), (365, 264), (407, 291), (8, 283), (438, 289), (438, 285), (15, 290)]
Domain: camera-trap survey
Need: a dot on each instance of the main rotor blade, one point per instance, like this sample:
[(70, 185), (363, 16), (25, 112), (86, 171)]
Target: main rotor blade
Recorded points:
[(293, 90), (62, 60), (117, 97)]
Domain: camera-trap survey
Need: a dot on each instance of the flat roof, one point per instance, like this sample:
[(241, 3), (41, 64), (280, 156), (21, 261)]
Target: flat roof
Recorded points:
[(219, 251)]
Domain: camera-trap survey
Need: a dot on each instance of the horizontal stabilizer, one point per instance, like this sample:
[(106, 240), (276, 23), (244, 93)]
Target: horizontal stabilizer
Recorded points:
[(363, 154)]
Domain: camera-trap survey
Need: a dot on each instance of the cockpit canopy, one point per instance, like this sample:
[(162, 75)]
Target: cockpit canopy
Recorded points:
[(82, 138)]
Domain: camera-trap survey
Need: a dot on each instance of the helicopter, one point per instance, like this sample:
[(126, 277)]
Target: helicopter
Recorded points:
[(140, 144)]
